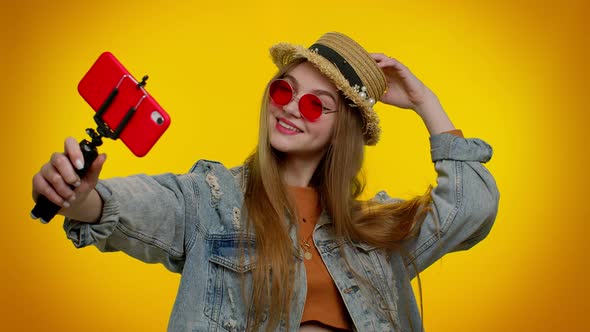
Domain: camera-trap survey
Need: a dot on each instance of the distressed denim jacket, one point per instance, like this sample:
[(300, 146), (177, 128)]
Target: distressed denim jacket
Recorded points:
[(191, 223)]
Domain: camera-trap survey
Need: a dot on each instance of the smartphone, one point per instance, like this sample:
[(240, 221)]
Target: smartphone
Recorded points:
[(144, 120)]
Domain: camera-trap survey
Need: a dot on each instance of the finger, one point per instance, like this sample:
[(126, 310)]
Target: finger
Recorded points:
[(64, 167), (42, 187), (56, 181), (391, 62), (72, 149), (379, 57), (386, 63), (94, 170), (384, 60)]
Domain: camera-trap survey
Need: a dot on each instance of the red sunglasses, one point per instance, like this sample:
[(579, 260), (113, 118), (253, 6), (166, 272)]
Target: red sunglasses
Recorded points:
[(310, 106)]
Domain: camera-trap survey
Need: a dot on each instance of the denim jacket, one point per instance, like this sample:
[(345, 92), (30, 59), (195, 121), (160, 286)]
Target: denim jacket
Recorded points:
[(191, 223)]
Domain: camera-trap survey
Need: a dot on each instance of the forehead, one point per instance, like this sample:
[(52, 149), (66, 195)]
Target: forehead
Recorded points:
[(308, 76)]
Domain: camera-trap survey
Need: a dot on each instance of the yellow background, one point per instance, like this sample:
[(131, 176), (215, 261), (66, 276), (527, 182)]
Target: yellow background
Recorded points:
[(513, 73)]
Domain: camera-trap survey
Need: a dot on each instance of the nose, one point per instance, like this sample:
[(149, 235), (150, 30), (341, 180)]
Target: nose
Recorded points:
[(293, 107)]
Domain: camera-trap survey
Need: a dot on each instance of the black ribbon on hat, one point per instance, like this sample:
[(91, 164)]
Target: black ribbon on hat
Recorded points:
[(343, 66)]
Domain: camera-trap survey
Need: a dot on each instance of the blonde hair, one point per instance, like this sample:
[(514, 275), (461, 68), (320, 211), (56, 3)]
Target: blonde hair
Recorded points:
[(337, 179)]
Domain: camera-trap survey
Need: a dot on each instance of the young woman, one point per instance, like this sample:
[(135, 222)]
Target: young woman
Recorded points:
[(282, 243)]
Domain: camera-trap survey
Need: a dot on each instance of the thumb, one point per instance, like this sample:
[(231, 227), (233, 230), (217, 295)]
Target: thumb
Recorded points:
[(94, 170)]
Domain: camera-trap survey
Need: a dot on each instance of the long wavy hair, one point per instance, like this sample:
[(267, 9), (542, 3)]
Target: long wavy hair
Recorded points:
[(270, 213)]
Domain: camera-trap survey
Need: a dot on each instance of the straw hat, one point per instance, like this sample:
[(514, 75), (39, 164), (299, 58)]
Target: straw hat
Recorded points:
[(349, 67)]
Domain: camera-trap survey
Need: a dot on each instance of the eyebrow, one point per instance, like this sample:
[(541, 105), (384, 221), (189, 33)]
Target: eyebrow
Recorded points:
[(315, 91)]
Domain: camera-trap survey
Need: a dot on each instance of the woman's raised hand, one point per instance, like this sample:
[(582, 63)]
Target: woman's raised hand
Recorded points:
[(404, 89), (57, 180)]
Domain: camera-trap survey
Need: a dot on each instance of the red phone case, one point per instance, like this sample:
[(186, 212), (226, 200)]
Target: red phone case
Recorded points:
[(148, 122)]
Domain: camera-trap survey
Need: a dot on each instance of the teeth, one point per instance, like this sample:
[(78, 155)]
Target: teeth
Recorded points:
[(284, 125)]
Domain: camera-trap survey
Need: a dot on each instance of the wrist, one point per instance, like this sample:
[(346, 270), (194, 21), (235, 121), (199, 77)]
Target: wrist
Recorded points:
[(433, 115), (86, 208), (428, 105)]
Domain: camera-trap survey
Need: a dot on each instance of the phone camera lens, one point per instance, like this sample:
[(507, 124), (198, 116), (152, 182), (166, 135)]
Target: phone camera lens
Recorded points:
[(157, 118)]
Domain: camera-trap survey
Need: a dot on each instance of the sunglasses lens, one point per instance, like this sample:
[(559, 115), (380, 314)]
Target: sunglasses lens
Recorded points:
[(280, 92), (310, 106)]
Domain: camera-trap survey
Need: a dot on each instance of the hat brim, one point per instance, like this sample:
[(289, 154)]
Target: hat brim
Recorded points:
[(283, 54)]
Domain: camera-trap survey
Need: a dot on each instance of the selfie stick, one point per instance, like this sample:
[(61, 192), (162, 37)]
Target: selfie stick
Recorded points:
[(45, 210)]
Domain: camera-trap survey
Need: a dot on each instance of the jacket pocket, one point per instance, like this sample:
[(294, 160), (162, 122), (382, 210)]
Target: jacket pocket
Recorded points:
[(231, 261)]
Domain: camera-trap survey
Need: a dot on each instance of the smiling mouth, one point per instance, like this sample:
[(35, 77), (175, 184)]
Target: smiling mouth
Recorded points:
[(289, 127)]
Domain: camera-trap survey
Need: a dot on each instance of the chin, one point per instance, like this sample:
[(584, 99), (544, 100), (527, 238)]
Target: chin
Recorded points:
[(281, 145)]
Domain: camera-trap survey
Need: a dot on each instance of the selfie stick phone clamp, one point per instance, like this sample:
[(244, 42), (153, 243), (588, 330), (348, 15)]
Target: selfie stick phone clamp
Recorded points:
[(45, 210)]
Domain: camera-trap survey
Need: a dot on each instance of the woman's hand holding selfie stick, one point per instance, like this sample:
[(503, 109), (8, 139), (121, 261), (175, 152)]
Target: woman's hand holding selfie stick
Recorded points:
[(66, 183)]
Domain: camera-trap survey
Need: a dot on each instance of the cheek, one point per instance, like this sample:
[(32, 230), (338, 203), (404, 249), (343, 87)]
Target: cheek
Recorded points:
[(270, 121), (331, 128), (323, 130), (272, 110)]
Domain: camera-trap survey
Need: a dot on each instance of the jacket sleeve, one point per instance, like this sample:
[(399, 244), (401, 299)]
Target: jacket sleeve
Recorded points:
[(145, 217), (464, 202)]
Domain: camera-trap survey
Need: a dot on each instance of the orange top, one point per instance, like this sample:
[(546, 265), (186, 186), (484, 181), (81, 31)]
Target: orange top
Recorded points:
[(456, 132), (323, 303)]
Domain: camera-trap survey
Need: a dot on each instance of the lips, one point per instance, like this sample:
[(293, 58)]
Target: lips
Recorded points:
[(284, 123)]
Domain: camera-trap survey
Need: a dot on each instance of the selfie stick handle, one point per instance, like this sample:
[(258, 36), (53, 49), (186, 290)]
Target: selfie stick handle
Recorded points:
[(45, 210)]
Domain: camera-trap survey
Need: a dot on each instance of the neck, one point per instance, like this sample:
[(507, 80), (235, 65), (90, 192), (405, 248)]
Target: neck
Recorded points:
[(297, 171)]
